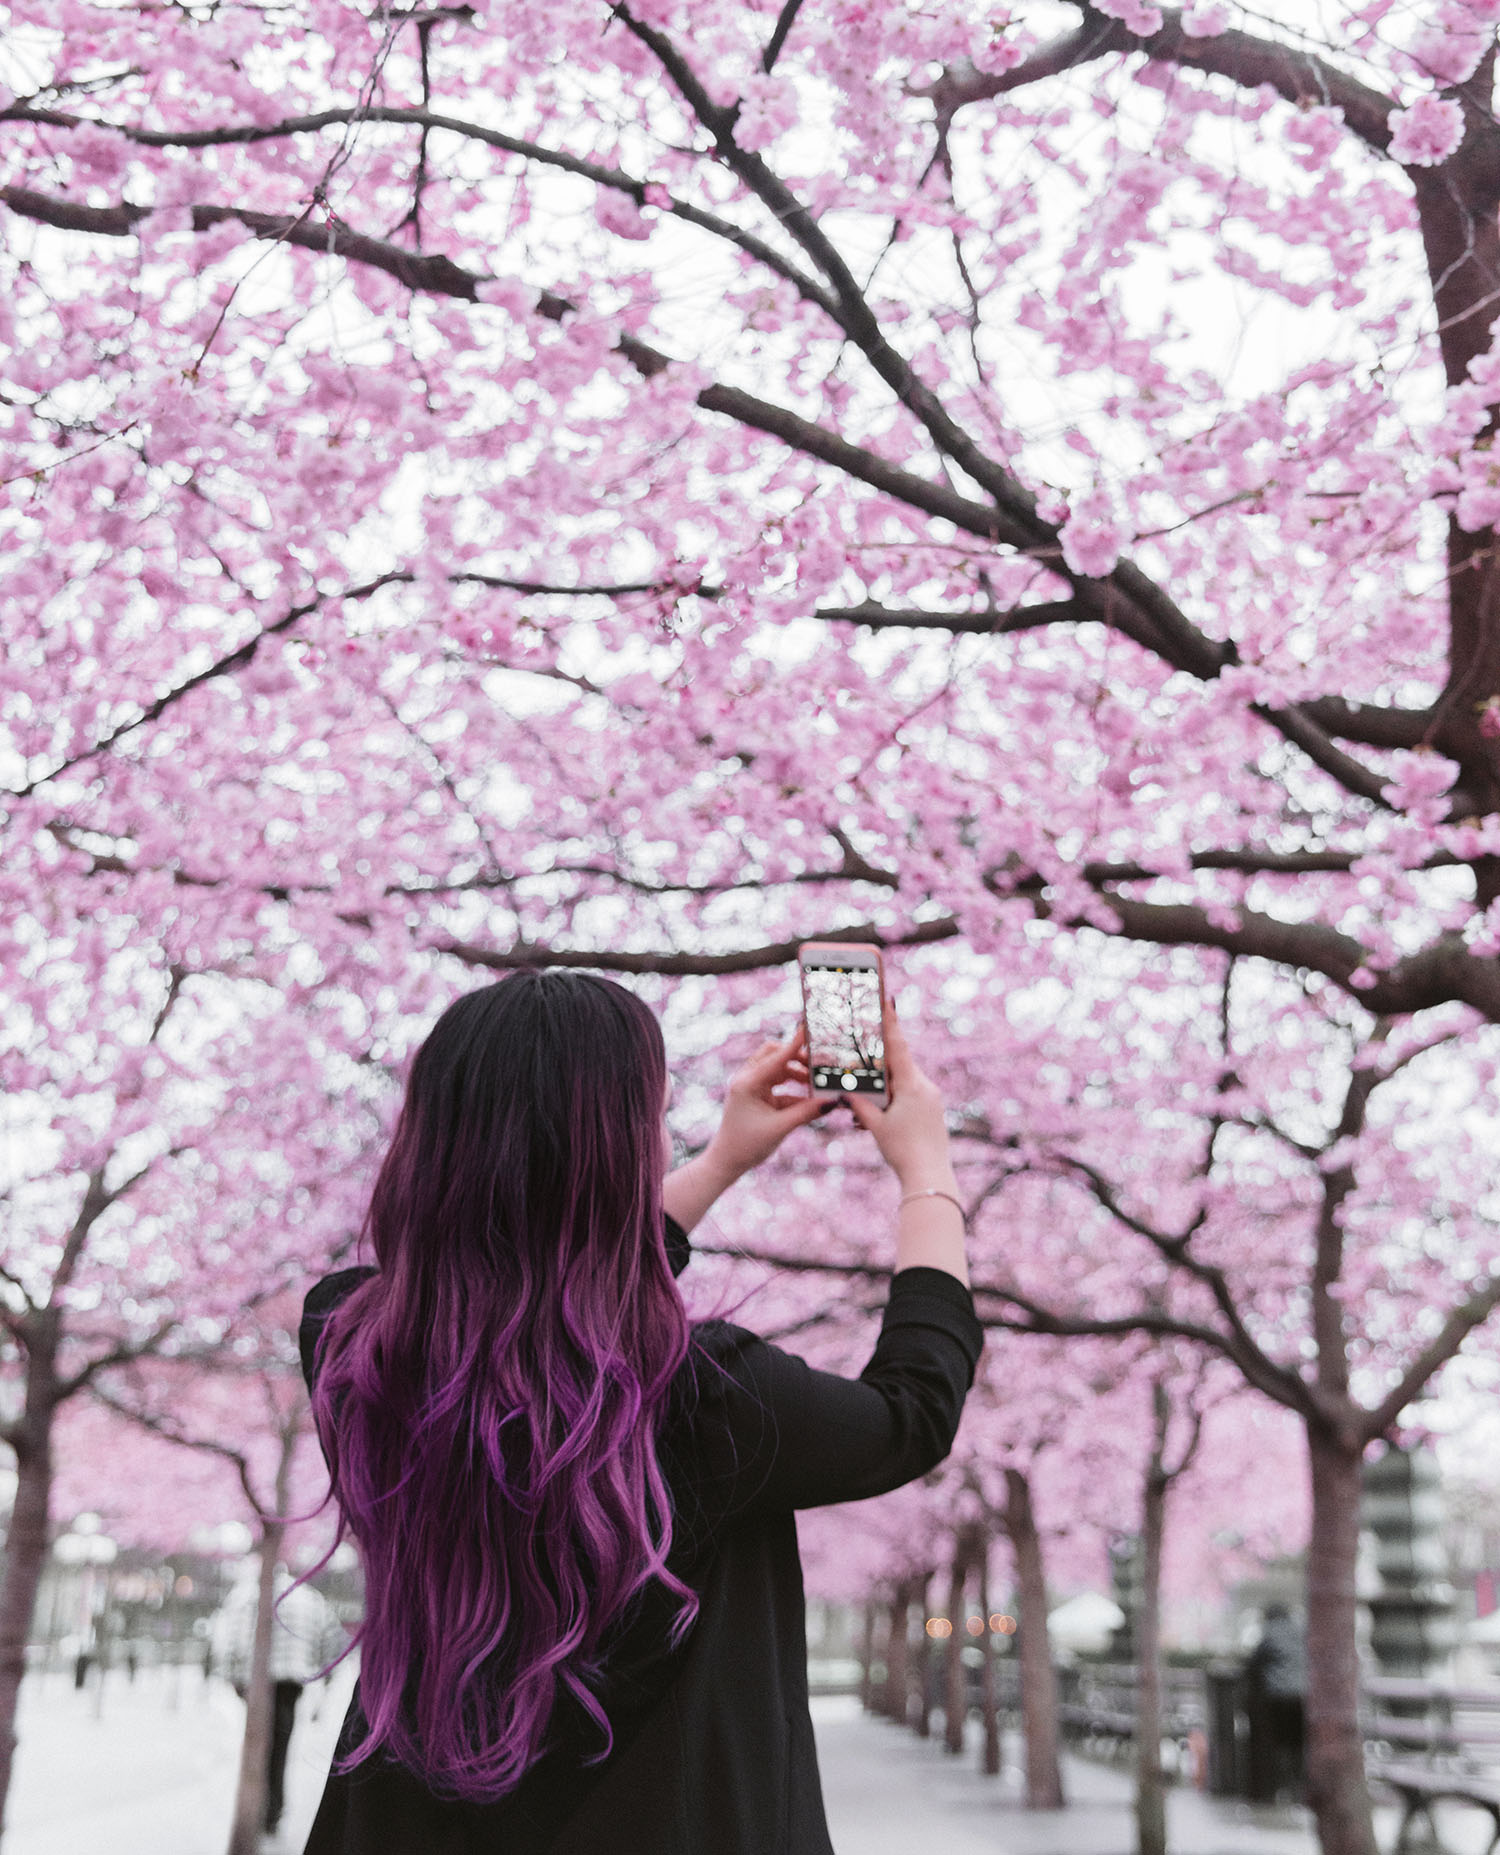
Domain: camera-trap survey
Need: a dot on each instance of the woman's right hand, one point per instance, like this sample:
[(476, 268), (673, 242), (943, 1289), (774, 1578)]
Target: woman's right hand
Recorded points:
[(910, 1130)]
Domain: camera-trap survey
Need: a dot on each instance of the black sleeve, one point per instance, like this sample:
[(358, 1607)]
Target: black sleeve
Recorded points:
[(776, 1434), (322, 1298), (679, 1249)]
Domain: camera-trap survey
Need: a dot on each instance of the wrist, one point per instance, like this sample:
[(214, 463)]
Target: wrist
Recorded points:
[(928, 1176)]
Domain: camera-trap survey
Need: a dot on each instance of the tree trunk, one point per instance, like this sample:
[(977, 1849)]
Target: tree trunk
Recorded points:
[(897, 1657), (989, 1703), (27, 1542), (26, 1547), (1044, 1789), (1335, 1763), (919, 1701), (919, 1706), (867, 1659), (954, 1698), (255, 1749), (1150, 1781)]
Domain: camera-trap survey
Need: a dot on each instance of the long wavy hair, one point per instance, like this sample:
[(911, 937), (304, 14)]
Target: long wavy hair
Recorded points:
[(489, 1401)]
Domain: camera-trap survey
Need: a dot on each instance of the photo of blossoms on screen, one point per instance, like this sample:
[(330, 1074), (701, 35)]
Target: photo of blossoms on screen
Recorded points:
[(845, 1047)]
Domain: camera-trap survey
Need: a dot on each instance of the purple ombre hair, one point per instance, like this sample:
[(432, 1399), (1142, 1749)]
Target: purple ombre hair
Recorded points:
[(489, 1401)]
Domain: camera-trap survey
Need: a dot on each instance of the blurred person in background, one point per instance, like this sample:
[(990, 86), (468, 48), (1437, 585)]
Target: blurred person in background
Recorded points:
[(306, 1636)]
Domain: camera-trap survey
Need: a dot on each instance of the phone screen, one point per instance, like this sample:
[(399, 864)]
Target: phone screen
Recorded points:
[(845, 1042)]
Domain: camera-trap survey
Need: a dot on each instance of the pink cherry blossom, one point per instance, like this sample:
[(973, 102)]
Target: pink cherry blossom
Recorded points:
[(1093, 536), (1139, 15), (1427, 131), (1205, 19)]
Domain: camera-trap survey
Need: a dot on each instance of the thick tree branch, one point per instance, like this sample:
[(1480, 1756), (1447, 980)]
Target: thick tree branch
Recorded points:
[(1255, 862), (980, 624), (1456, 201), (742, 960), (1301, 77), (95, 1202), (441, 276), (1442, 972), (1368, 722)]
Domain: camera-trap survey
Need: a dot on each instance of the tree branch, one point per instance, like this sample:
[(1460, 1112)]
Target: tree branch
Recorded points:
[(1251, 861), (1300, 77), (1368, 722), (784, 23), (1240, 1344), (1443, 972), (1170, 632), (170, 1431), (236, 659), (983, 624), (127, 1352), (743, 960), (612, 178), (1454, 1331), (1150, 620), (1285, 1387)]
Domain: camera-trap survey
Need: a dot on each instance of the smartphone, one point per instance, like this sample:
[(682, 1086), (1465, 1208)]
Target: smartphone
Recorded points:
[(843, 999)]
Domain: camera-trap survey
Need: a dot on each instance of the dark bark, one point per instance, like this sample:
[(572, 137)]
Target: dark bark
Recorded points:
[(1044, 1786), (255, 1747), (38, 1331), (27, 1540), (1336, 1786), (1150, 1780), (919, 1706), (919, 1697), (867, 1658), (954, 1701), (1294, 72), (897, 1654), (989, 1700), (751, 959)]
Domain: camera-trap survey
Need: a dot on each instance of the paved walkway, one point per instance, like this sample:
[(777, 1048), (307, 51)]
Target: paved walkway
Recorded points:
[(150, 1770), (890, 1793)]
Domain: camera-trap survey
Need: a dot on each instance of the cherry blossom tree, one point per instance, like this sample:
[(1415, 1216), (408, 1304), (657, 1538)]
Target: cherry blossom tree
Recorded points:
[(170, 1162), (248, 1413), (1313, 1210)]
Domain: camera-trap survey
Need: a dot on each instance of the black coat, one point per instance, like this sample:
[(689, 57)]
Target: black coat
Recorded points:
[(713, 1745)]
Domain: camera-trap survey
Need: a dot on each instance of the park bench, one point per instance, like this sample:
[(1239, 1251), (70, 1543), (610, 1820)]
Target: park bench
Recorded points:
[(1444, 1753), (1097, 1709), (1419, 1787), (1097, 1730)]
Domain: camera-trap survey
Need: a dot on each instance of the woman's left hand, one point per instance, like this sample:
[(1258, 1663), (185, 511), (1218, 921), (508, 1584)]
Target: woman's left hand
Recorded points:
[(766, 1099)]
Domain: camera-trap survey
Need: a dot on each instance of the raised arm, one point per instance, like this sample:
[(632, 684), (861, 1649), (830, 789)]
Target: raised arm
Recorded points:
[(767, 1098)]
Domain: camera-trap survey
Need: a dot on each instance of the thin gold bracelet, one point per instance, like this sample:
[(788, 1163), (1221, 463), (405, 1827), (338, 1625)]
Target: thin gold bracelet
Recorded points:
[(933, 1192)]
